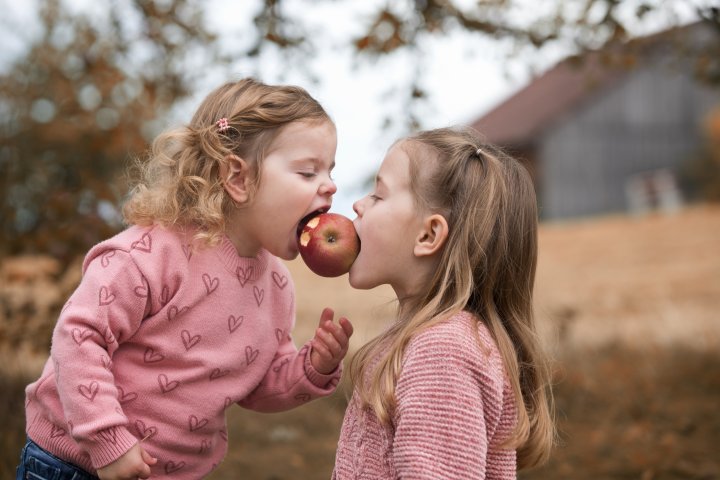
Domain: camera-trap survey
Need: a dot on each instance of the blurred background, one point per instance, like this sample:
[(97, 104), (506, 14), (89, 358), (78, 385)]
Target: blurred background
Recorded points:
[(613, 105)]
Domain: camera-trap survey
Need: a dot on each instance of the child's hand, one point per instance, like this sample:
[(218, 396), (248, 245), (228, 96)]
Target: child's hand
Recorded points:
[(330, 343), (134, 464)]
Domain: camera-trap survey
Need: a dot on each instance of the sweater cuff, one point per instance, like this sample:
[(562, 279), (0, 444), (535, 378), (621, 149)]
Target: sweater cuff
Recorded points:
[(108, 445), (325, 381)]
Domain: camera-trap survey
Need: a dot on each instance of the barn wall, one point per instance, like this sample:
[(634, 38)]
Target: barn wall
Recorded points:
[(649, 120)]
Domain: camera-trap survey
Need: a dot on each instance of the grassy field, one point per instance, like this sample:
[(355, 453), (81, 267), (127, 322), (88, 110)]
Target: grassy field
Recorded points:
[(629, 308)]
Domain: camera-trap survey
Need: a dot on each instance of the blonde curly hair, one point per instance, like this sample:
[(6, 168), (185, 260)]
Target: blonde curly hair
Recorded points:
[(179, 184)]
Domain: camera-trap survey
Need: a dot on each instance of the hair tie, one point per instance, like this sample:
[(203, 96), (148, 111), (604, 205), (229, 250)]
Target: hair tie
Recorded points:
[(480, 152), (222, 124)]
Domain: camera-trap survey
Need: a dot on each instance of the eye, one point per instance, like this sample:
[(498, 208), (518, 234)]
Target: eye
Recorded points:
[(374, 197), (307, 174)]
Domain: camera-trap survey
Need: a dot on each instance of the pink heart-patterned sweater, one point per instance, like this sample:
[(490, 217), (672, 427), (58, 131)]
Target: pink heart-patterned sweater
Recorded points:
[(160, 337)]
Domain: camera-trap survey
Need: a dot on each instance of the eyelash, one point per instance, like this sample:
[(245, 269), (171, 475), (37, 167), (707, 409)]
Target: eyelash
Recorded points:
[(313, 175), (374, 197)]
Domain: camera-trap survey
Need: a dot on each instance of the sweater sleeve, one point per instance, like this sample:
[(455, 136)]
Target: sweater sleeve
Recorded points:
[(291, 379), (440, 429), (106, 308)]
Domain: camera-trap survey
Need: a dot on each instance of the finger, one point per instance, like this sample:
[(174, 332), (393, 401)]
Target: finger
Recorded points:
[(346, 326), (340, 334), (147, 458), (326, 315), (321, 349), (145, 472), (328, 338)]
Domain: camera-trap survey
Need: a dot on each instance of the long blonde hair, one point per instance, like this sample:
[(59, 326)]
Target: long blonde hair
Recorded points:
[(179, 185), (487, 267)]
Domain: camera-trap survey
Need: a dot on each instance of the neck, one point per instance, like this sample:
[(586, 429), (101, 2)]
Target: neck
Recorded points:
[(245, 245), (413, 281)]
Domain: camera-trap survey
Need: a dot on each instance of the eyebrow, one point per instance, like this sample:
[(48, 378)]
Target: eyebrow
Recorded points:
[(314, 160)]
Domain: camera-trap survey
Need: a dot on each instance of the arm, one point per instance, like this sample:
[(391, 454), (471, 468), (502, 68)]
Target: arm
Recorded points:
[(102, 311), (298, 377), (440, 430)]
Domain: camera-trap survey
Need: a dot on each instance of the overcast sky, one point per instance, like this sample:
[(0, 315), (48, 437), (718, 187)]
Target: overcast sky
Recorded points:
[(465, 76)]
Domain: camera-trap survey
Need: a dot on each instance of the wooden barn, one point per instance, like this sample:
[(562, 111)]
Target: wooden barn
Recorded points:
[(609, 131)]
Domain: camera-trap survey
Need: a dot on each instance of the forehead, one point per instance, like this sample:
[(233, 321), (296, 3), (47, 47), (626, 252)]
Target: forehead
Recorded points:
[(301, 132), (395, 168)]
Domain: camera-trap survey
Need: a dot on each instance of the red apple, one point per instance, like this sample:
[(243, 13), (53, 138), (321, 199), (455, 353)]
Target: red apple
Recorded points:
[(328, 244)]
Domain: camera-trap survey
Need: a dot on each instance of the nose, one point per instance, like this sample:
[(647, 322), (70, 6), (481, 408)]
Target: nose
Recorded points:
[(358, 208), (328, 188)]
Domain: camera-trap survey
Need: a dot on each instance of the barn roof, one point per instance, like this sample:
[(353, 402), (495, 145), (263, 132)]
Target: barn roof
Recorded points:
[(523, 116)]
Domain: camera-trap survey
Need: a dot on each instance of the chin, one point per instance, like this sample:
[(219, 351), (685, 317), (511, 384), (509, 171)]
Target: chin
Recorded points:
[(356, 281)]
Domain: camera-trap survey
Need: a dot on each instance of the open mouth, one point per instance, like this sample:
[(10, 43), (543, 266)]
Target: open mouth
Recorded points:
[(308, 217)]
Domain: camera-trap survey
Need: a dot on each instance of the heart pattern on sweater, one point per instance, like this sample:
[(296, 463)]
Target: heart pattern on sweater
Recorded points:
[(303, 397), (195, 424), (259, 295), (57, 432), (244, 275), (124, 398), (187, 250), (284, 362), (167, 385), (205, 446), (89, 391), (164, 298), (151, 356), (174, 312), (172, 467), (251, 355), (280, 280), (217, 373), (81, 335), (109, 336), (141, 291), (105, 297), (66, 306), (279, 335), (106, 362), (234, 322), (211, 284), (144, 244), (189, 340), (105, 258), (143, 430)]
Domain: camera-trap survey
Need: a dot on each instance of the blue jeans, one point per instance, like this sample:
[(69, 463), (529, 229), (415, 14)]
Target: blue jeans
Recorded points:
[(38, 464)]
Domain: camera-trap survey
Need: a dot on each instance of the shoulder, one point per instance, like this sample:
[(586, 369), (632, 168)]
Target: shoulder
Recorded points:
[(456, 334), (461, 343), (139, 242)]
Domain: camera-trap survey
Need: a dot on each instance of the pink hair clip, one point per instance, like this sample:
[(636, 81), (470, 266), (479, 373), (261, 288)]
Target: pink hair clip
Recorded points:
[(222, 124)]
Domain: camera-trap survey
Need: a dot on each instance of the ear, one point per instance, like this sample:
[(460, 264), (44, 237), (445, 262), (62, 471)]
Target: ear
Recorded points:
[(432, 236), (235, 176)]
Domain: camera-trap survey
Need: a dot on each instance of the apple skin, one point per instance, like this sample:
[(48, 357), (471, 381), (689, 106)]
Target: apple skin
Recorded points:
[(329, 244)]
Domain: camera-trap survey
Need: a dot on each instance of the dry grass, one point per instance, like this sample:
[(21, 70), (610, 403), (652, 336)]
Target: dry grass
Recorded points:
[(628, 306)]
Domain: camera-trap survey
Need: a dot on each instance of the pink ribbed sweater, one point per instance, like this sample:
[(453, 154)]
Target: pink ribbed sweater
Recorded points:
[(158, 340), (454, 408)]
